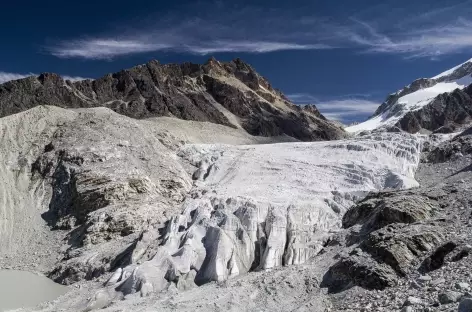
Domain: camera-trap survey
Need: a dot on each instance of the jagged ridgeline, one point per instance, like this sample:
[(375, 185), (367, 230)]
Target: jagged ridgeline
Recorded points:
[(231, 94)]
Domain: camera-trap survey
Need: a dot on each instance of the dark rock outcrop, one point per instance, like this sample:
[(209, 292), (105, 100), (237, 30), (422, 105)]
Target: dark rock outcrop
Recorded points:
[(381, 209), (358, 268), (448, 109), (390, 232), (231, 94), (457, 147)]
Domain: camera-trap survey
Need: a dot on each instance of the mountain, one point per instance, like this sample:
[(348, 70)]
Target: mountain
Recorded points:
[(231, 94), (443, 101)]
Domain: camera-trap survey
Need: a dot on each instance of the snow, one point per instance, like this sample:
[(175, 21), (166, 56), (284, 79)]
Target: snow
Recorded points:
[(410, 102), (264, 89), (370, 124), (450, 71)]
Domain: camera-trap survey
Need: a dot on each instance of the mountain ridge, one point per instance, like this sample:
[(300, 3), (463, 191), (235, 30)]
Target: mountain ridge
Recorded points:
[(231, 94), (426, 104)]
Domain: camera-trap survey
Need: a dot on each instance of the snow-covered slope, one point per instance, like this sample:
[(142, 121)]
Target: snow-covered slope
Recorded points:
[(416, 96), (452, 70)]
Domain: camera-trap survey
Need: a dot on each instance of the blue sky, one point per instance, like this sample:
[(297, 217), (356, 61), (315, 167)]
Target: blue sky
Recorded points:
[(344, 56)]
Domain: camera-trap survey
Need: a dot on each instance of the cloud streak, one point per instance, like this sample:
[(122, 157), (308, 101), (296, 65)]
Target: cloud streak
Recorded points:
[(5, 77), (428, 42), (302, 98), (103, 48), (349, 106), (346, 108), (111, 48)]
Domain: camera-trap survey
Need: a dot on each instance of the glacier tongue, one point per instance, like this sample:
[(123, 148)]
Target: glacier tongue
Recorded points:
[(262, 206)]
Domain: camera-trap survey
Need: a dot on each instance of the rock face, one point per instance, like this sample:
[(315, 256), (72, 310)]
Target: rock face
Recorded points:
[(102, 180), (231, 94), (459, 146), (446, 110)]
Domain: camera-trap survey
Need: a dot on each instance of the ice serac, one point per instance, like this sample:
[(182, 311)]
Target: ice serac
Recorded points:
[(427, 103), (263, 206)]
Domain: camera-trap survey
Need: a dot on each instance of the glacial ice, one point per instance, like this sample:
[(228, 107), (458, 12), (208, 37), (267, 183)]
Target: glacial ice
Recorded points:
[(257, 207)]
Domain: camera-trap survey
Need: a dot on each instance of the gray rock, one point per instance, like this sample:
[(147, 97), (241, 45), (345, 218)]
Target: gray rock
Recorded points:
[(462, 286), (424, 279), (400, 245), (459, 145), (380, 209), (449, 297), (438, 281), (413, 301), (359, 270)]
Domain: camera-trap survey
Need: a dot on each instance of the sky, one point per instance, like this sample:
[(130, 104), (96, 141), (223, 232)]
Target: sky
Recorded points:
[(343, 56)]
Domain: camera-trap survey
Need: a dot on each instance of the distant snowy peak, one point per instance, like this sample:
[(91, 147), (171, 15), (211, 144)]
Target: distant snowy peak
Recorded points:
[(416, 97), (456, 70)]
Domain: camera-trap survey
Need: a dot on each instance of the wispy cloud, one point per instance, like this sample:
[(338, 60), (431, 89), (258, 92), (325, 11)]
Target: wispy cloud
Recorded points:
[(302, 98), (201, 29), (349, 106), (434, 41), (103, 48), (251, 46), (5, 77), (346, 108), (110, 48), (74, 78)]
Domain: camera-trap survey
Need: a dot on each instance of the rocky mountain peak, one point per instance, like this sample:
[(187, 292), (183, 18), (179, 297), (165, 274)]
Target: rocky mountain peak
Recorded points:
[(227, 93), (50, 78)]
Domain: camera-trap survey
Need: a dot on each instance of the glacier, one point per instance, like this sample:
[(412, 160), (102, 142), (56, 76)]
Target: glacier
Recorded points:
[(258, 207)]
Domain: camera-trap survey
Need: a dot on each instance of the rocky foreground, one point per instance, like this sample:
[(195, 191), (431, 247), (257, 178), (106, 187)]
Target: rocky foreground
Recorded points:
[(217, 235)]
